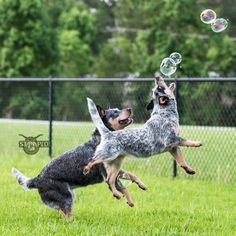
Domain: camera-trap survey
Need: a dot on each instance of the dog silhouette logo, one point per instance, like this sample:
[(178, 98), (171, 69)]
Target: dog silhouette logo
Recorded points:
[(31, 145)]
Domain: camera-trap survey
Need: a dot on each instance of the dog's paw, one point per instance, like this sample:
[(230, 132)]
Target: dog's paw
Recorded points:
[(117, 195), (131, 204), (188, 170), (142, 186), (198, 144), (86, 170)]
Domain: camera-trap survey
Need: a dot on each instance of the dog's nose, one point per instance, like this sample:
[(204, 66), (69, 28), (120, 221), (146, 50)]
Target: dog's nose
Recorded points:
[(159, 78)]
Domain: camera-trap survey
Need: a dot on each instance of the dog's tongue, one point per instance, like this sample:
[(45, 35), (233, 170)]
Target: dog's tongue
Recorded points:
[(125, 121)]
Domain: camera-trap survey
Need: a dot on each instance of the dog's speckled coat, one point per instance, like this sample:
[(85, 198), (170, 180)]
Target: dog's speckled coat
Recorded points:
[(61, 175), (159, 134)]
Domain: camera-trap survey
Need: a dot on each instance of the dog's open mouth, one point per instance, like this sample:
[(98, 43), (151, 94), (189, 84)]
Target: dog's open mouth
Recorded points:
[(126, 121)]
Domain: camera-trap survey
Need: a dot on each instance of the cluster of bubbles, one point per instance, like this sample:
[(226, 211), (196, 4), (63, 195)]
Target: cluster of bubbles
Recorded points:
[(208, 16), (169, 64)]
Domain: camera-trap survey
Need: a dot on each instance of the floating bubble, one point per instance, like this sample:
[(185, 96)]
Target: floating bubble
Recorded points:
[(219, 25), (176, 57), (208, 16), (168, 66)]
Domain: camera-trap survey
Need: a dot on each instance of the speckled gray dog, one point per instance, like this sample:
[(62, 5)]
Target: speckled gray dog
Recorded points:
[(159, 134), (59, 177)]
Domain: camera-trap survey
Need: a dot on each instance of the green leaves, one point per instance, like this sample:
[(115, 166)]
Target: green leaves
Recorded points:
[(71, 38), (74, 57), (76, 34), (35, 37), (114, 58), (26, 40)]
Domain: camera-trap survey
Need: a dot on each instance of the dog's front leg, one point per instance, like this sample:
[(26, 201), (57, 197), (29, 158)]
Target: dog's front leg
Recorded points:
[(113, 169), (120, 187), (93, 162), (127, 196), (189, 143), (111, 180), (178, 156), (130, 176)]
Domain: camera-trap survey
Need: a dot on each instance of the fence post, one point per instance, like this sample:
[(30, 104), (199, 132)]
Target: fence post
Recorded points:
[(50, 115), (177, 99)]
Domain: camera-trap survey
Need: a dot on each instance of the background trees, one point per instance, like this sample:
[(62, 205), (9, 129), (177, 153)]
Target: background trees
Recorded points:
[(110, 38), (28, 48)]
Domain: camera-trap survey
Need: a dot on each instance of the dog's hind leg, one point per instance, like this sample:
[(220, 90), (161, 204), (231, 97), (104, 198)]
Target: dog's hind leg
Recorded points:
[(189, 143), (97, 160), (130, 176), (121, 188), (66, 212), (111, 180), (113, 169), (178, 156), (57, 195), (126, 194)]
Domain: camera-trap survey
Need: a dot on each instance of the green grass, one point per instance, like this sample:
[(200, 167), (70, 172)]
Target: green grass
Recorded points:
[(182, 206)]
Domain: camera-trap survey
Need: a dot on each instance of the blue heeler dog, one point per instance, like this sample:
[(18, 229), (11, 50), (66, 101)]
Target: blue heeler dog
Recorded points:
[(58, 178), (159, 134)]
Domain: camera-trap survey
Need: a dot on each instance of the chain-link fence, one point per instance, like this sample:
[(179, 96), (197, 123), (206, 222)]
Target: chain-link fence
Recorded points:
[(207, 109)]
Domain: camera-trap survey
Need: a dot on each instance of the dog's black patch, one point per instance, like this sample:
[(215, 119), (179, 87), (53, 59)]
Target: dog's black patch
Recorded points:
[(150, 105)]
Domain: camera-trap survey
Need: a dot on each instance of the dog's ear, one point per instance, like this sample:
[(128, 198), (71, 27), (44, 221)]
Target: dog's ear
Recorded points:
[(163, 100), (101, 111), (172, 87), (150, 105)]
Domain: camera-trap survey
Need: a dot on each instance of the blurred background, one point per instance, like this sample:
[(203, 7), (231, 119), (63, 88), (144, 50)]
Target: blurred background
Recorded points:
[(107, 38), (118, 39)]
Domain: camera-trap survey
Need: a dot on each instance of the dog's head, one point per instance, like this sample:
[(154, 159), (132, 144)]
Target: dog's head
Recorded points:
[(163, 95), (115, 119)]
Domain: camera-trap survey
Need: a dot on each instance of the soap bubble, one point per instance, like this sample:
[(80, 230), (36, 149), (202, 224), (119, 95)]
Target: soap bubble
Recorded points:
[(168, 66), (208, 16), (176, 57), (219, 25)]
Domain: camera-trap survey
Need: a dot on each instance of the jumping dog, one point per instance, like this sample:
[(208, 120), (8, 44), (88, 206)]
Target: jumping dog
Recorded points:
[(159, 134)]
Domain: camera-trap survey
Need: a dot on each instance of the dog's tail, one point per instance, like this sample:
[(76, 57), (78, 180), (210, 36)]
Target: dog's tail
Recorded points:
[(96, 117), (25, 182)]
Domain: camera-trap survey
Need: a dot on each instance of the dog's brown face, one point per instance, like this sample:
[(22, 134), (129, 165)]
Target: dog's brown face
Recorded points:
[(161, 93), (116, 119)]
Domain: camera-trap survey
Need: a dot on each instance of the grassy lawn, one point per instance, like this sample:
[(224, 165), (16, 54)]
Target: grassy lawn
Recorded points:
[(182, 206)]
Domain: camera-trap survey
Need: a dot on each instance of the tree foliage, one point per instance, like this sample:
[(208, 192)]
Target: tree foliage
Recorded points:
[(113, 38), (27, 42), (76, 34)]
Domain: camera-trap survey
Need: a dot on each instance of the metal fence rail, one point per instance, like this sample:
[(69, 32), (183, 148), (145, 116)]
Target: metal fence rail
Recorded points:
[(203, 103)]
